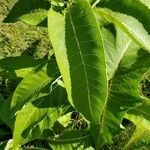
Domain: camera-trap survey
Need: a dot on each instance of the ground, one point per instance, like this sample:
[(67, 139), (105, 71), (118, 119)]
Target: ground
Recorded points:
[(19, 38)]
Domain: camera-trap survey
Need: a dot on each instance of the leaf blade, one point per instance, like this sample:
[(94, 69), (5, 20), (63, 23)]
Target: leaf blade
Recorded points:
[(141, 118), (129, 25), (32, 84), (83, 55), (32, 12), (29, 123)]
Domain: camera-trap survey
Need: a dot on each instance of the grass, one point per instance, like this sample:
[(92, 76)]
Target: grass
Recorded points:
[(18, 38)]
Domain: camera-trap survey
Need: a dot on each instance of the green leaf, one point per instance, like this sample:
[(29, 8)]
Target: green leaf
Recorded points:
[(19, 66), (41, 114), (115, 48), (6, 116), (33, 83), (140, 9), (111, 52), (123, 92), (3, 144), (32, 12), (18, 62), (79, 52), (68, 140), (140, 116), (129, 63), (129, 25), (35, 92)]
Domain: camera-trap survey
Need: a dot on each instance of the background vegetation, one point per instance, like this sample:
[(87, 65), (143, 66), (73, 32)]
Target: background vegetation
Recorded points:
[(19, 38), (22, 39)]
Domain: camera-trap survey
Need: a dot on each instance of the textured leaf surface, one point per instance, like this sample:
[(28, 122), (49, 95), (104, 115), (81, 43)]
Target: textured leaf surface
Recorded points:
[(71, 38), (32, 12), (129, 25), (19, 62), (77, 43), (5, 112), (73, 139), (33, 83), (140, 9), (19, 66), (140, 116), (123, 91), (115, 49), (33, 113)]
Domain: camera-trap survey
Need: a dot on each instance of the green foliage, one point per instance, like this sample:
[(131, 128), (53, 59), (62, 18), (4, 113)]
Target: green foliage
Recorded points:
[(129, 25), (32, 12), (140, 117), (80, 60), (19, 38), (139, 9), (78, 97)]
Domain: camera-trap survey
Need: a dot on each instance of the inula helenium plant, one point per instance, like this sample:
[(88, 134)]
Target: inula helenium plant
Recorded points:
[(86, 94)]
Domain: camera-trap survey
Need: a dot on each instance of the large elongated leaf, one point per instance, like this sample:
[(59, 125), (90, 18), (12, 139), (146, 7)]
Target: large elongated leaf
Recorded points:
[(79, 51), (129, 67), (140, 116), (129, 25), (140, 9), (32, 12)]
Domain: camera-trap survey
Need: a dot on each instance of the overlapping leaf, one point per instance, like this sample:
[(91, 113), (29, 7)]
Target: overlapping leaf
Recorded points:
[(140, 9), (129, 63), (33, 83), (19, 66), (79, 47), (129, 25), (72, 140), (79, 53), (34, 114), (28, 88), (141, 118), (32, 12)]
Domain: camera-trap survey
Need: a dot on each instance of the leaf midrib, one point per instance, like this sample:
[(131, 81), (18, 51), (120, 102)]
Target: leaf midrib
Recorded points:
[(82, 58)]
